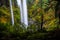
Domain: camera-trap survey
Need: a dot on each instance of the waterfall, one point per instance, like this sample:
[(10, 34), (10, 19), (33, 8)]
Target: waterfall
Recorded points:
[(11, 12), (23, 12)]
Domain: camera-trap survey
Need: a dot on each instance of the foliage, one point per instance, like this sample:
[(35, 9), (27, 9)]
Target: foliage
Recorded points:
[(50, 30), (14, 33)]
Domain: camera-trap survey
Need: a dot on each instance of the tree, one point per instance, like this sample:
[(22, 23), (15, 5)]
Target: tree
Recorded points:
[(41, 16), (57, 10), (55, 3)]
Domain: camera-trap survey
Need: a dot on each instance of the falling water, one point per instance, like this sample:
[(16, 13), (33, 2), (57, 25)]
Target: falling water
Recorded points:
[(23, 11), (11, 12)]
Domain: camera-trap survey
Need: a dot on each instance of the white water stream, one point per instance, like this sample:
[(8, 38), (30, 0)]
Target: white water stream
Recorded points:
[(23, 11), (12, 17)]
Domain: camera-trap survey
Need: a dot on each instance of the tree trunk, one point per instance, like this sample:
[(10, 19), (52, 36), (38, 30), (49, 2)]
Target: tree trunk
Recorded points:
[(57, 11)]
